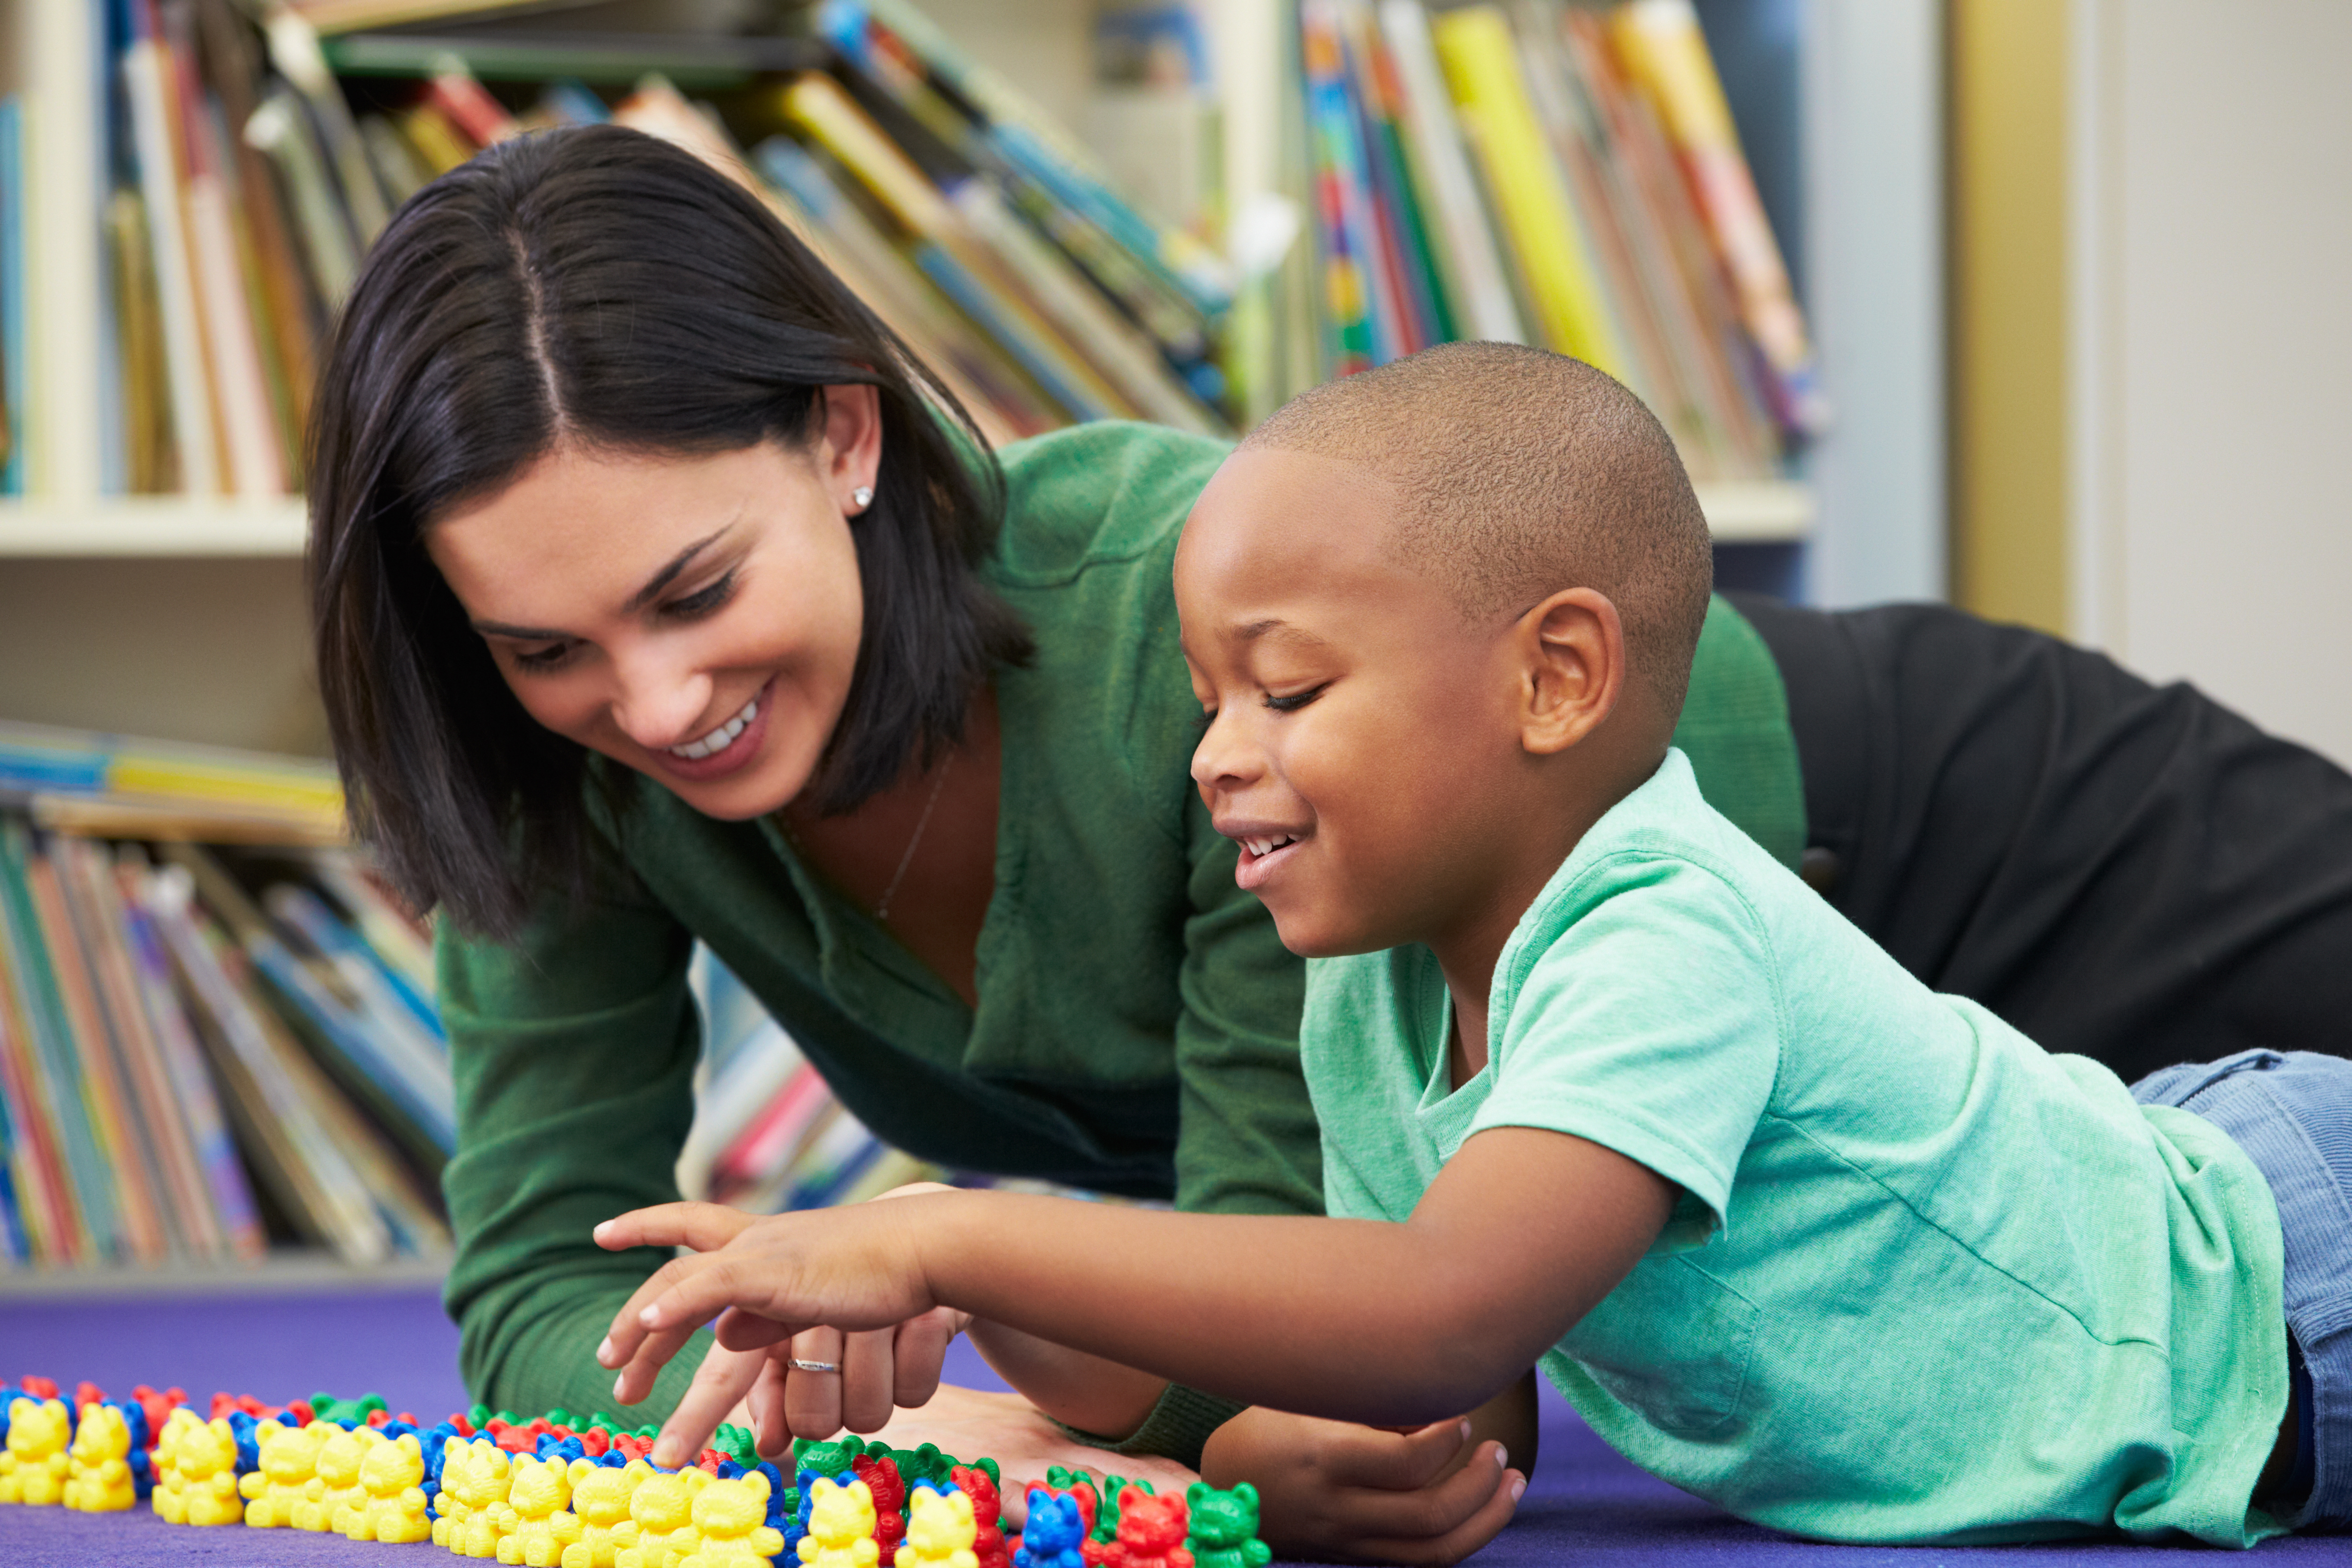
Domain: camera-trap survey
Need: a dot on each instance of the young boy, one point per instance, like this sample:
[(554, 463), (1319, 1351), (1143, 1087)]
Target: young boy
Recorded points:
[(1602, 1085)]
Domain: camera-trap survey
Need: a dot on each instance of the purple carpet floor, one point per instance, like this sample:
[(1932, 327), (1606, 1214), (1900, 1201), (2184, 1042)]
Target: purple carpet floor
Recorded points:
[(1585, 1504)]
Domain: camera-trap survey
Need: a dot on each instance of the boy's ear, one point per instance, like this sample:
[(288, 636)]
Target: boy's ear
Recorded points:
[(1572, 652)]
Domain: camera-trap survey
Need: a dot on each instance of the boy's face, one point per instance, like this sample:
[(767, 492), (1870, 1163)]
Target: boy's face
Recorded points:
[(1357, 725)]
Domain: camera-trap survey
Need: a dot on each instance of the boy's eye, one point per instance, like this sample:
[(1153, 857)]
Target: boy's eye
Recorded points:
[(1294, 702), (701, 602)]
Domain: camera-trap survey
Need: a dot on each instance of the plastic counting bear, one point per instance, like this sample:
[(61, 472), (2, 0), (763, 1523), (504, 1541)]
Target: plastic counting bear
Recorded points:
[(554, 1492)]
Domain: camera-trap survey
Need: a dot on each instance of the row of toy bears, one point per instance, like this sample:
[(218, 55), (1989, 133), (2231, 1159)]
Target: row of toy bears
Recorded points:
[(541, 1493)]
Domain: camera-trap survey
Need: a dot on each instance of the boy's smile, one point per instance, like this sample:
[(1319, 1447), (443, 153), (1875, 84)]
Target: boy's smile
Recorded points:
[(1352, 713)]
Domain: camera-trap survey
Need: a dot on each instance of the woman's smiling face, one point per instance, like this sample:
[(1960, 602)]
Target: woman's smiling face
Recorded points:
[(695, 618)]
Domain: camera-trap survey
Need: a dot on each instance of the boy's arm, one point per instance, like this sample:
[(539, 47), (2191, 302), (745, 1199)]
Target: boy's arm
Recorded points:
[(1077, 1389), (1520, 1235)]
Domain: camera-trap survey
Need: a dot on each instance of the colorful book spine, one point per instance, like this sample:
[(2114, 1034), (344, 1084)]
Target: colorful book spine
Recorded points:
[(191, 1083), (1351, 290), (1477, 287), (15, 385), (147, 75), (1482, 68), (147, 1059), (1662, 45), (57, 1076)]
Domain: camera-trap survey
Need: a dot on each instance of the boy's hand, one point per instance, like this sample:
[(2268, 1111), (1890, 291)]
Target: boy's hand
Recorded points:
[(1334, 1490)]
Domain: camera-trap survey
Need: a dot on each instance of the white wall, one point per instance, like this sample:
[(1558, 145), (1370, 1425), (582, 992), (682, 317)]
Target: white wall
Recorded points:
[(1873, 177), (2213, 365)]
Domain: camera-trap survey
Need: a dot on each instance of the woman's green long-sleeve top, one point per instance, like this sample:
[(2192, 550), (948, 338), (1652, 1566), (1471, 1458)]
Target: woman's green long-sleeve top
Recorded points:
[(1136, 1030)]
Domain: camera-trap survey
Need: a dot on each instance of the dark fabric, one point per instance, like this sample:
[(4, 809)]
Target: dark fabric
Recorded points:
[(2128, 871), (1585, 1504)]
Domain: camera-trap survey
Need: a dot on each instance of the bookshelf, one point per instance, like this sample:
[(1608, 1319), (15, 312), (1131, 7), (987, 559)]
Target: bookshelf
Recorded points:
[(183, 617), (155, 527)]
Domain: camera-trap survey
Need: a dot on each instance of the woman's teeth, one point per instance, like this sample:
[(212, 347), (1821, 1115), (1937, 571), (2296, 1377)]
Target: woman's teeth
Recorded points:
[(1268, 846), (719, 740)]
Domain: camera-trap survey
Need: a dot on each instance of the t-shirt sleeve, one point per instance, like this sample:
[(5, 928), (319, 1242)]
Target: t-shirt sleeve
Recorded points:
[(1247, 1139), (573, 1050), (1652, 1026)]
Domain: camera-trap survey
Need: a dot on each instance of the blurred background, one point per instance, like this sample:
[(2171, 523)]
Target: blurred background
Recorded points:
[(2033, 306)]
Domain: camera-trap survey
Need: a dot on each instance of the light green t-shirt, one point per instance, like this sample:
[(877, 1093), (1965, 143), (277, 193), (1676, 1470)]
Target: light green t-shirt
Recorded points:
[(1925, 1280)]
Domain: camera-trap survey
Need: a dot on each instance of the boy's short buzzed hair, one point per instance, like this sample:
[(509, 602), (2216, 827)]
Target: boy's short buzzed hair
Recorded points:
[(1522, 473)]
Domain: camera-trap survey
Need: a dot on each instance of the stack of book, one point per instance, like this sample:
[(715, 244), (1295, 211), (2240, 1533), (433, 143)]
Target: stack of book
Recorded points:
[(248, 179), (1524, 169), (1559, 176), (205, 1048)]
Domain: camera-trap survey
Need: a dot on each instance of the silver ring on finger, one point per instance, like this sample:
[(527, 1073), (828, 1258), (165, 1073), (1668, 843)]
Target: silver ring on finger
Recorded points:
[(800, 1365)]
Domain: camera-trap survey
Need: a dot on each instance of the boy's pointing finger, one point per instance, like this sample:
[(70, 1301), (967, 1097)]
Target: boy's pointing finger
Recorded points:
[(706, 1227)]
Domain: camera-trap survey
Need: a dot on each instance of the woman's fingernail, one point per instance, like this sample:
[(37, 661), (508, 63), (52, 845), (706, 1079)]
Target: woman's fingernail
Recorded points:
[(1518, 1490), (1466, 1428), (1502, 1457), (617, 1383), (604, 1351), (599, 1232), (650, 1316)]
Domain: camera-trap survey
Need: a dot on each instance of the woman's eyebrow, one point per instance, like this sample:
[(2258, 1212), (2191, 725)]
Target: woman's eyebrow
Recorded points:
[(668, 574)]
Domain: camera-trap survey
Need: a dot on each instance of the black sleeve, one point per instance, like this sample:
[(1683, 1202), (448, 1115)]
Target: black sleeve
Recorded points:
[(2131, 872)]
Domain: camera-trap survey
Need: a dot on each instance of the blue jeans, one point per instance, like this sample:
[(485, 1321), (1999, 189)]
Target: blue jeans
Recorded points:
[(2292, 1113)]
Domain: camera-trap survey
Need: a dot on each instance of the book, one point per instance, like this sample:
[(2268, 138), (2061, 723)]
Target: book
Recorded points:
[(150, 459), (1482, 68), (1469, 266), (191, 1222), (13, 338), (280, 129), (1005, 402), (355, 1026), (147, 73), (42, 1187), (98, 1061), (40, 1014), (1665, 51), (191, 1083), (162, 1029)]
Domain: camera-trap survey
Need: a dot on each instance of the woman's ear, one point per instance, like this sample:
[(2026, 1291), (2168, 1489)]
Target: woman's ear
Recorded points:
[(849, 452), (1571, 650)]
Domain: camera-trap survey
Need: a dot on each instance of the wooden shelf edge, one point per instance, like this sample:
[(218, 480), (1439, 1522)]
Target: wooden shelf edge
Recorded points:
[(286, 1272), (1742, 511), (159, 528), (1757, 512)]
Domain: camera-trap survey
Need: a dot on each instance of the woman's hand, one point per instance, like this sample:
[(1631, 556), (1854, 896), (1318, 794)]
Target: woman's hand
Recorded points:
[(879, 1371), (1332, 1491), (760, 1366)]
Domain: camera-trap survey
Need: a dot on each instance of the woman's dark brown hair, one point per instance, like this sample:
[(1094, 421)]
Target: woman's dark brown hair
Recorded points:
[(599, 287)]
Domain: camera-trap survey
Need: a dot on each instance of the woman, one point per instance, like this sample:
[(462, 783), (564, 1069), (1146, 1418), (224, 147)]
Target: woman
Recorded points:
[(660, 594)]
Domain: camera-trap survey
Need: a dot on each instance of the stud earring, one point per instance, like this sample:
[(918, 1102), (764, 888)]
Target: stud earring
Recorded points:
[(861, 497)]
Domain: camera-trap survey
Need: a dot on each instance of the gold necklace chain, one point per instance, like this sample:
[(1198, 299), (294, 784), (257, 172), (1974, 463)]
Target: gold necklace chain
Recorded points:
[(882, 909)]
